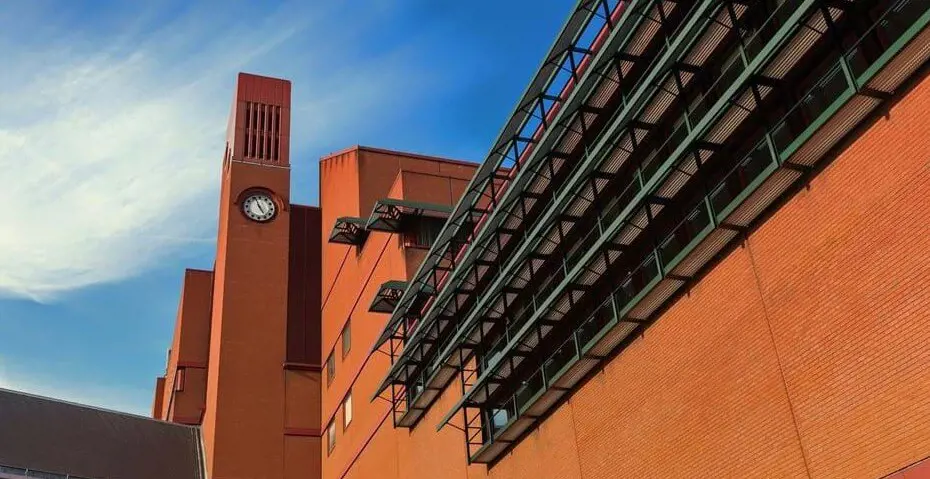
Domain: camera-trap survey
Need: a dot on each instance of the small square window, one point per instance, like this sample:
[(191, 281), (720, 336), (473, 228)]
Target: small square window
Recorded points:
[(347, 410), (331, 436), (330, 368), (346, 338)]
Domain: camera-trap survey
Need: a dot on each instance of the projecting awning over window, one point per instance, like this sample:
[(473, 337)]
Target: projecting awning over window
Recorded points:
[(349, 230), (387, 297), (389, 214)]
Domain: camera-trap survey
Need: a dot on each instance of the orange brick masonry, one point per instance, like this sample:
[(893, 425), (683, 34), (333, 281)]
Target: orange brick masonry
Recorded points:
[(804, 353)]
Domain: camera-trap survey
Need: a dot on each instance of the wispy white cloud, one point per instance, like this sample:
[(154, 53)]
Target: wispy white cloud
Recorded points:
[(110, 141)]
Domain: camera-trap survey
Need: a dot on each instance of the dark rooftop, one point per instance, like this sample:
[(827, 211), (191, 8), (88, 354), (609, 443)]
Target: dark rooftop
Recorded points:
[(66, 439)]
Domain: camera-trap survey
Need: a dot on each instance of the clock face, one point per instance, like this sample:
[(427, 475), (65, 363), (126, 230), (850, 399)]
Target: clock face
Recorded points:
[(259, 207)]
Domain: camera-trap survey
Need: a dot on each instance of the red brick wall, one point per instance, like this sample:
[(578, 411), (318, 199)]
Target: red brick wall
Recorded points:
[(303, 286), (243, 425), (248, 337), (189, 352), (302, 385), (920, 470), (158, 401), (350, 184), (803, 353), (848, 299)]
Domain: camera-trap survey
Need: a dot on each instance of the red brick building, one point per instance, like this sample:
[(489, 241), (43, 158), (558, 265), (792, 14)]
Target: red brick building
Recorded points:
[(700, 247), (245, 363), (704, 251), (701, 252)]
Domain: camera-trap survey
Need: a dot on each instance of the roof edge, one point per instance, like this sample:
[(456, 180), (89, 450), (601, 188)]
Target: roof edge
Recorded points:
[(197, 270), (261, 76), (95, 408), (418, 156), (309, 207)]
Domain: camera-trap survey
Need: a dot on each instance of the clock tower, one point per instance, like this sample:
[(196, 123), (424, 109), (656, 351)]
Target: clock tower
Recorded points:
[(246, 411)]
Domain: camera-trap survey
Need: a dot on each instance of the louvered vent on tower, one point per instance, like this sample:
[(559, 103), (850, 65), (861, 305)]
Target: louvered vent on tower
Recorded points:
[(262, 132)]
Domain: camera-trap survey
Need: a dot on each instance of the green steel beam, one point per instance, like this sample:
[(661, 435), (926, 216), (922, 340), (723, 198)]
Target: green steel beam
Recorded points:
[(703, 126), (532, 240), (706, 4), (776, 158), (578, 93), (568, 34), (547, 139)]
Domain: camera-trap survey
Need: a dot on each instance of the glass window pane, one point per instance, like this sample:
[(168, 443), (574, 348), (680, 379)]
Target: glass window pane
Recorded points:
[(331, 436), (347, 410), (346, 338), (330, 368)]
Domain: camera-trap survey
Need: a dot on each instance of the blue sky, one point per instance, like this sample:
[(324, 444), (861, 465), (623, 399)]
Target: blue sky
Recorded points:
[(112, 119)]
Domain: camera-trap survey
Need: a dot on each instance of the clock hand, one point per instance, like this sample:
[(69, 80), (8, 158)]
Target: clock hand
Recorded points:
[(260, 208)]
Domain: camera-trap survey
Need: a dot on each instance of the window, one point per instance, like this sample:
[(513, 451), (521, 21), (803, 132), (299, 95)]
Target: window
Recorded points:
[(331, 436), (424, 232), (330, 368), (347, 410), (346, 338)]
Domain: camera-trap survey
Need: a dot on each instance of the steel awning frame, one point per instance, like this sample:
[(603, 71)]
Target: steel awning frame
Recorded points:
[(554, 135), (436, 335), (388, 214), (522, 255), (876, 84), (479, 216), (802, 12), (599, 63), (637, 102), (349, 230), (389, 292), (520, 258), (512, 196), (508, 139)]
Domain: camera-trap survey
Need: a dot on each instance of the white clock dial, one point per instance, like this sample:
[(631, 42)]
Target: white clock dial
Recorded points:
[(259, 207)]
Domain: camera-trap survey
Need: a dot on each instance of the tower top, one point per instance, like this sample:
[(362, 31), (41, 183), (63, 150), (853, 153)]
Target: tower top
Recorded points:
[(260, 121), (263, 89)]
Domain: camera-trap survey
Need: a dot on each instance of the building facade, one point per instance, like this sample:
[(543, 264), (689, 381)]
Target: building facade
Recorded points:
[(397, 203), (700, 247), (244, 364)]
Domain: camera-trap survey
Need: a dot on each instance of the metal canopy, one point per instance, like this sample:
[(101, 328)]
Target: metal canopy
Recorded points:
[(498, 224), (563, 125), (635, 216), (512, 143), (529, 249), (635, 12), (391, 215), (349, 230), (853, 85), (386, 298), (521, 340)]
